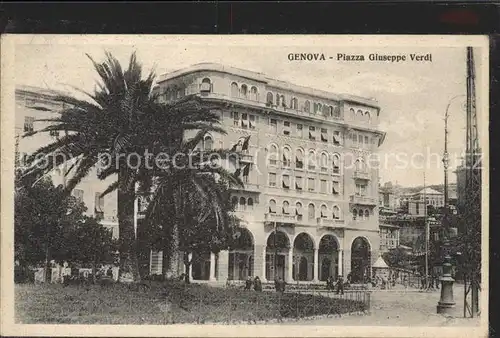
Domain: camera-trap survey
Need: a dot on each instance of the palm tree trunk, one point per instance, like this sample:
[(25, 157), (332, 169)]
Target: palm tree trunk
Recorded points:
[(174, 256), (128, 244), (187, 264), (165, 261), (94, 270)]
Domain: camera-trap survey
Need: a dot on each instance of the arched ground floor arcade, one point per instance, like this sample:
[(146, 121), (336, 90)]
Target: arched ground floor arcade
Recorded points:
[(294, 254)]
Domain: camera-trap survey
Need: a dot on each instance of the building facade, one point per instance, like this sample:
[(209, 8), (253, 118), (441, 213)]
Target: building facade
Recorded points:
[(389, 237), (310, 201), (430, 196), (33, 104)]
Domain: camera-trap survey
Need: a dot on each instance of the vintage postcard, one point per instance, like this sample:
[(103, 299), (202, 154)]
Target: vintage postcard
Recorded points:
[(244, 185)]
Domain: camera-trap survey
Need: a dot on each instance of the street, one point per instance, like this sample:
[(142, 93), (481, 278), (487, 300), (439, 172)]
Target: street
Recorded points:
[(399, 307)]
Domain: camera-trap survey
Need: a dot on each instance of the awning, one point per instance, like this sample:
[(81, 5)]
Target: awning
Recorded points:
[(380, 263)]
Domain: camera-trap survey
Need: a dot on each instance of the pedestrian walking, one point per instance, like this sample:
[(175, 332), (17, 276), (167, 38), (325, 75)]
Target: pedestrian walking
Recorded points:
[(257, 284), (329, 283), (340, 285), (282, 285), (248, 283)]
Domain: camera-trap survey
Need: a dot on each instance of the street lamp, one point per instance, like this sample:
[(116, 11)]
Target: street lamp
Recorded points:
[(446, 303)]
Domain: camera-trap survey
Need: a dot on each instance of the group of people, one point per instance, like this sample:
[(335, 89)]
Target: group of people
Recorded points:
[(338, 286), (256, 283), (430, 282), (279, 284)]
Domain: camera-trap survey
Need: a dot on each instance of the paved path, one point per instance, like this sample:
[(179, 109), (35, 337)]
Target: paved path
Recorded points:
[(398, 307)]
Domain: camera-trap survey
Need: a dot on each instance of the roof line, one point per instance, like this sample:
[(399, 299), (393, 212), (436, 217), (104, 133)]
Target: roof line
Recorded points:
[(261, 77)]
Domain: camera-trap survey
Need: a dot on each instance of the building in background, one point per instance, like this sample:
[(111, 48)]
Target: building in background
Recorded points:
[(311, 208), (430, 197), (32, 104), (389, 237)]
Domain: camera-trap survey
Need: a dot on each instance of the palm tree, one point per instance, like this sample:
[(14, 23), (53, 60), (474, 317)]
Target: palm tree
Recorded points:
[(121, 118), (191, 194)]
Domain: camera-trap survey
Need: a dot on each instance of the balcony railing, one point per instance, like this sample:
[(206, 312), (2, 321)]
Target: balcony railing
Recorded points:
[(246, 158), (251, 187), (281, 218), (364, 200), (389, 243), (362, 175), (330, 222)]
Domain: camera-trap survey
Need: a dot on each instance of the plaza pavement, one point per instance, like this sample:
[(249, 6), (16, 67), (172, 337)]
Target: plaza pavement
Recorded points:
[(403, 307)]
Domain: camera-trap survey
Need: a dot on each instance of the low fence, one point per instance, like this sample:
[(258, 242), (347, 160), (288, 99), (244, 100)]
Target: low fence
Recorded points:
[(248, 306)]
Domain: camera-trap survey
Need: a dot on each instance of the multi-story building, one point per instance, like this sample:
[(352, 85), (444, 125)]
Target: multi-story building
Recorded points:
[(389, 237), (309, 205), (431, 196), (33, 104)]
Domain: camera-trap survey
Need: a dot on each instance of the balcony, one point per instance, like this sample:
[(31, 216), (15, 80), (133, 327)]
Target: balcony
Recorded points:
[(250, 187), (281, 218), (363, 200), (246, 158), (361, 175), (330, 222)]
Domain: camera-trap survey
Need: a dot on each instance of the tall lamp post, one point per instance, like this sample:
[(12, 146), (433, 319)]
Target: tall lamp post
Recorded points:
[(446, 303)]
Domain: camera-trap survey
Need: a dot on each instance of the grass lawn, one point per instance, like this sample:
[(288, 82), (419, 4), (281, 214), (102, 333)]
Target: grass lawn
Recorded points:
[(165, 303)]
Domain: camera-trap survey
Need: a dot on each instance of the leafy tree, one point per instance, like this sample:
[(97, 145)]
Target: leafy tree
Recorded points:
[(42, 213), (397, 257), (121, 118), (89, 242)]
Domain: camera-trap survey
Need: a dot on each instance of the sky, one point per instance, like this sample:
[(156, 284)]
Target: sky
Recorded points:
[(413, 96)]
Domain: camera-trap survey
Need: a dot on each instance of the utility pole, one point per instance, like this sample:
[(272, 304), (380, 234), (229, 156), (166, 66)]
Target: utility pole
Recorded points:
[(446, 303), (426, 237), (473, 192), (275, 250)]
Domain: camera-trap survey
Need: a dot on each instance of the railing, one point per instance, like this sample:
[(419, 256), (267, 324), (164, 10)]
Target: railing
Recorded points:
[(281, 218), (246, 158), (330, 222), (363, 175), (268, 105), (389, 243), (357, 199), (252, 187)]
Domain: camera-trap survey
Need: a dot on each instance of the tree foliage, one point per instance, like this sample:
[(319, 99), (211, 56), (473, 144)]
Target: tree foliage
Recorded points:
[(43, 213)]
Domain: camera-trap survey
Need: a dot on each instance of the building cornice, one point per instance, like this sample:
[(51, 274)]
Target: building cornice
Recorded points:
[(271, 82)]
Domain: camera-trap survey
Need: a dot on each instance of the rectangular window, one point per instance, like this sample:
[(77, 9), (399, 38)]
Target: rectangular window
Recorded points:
[(311, 184), (272, 179), (360, 140), (337, 138), (360, 189), (244, 121), (236, 118), (298, 183), (253, 121), (299, 131), (286, 128), (367, 143), (324, 135), (323, 186), (335, 187), (78, 194), (29, 122), (273, 123), (312, 133), (286, 181)]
